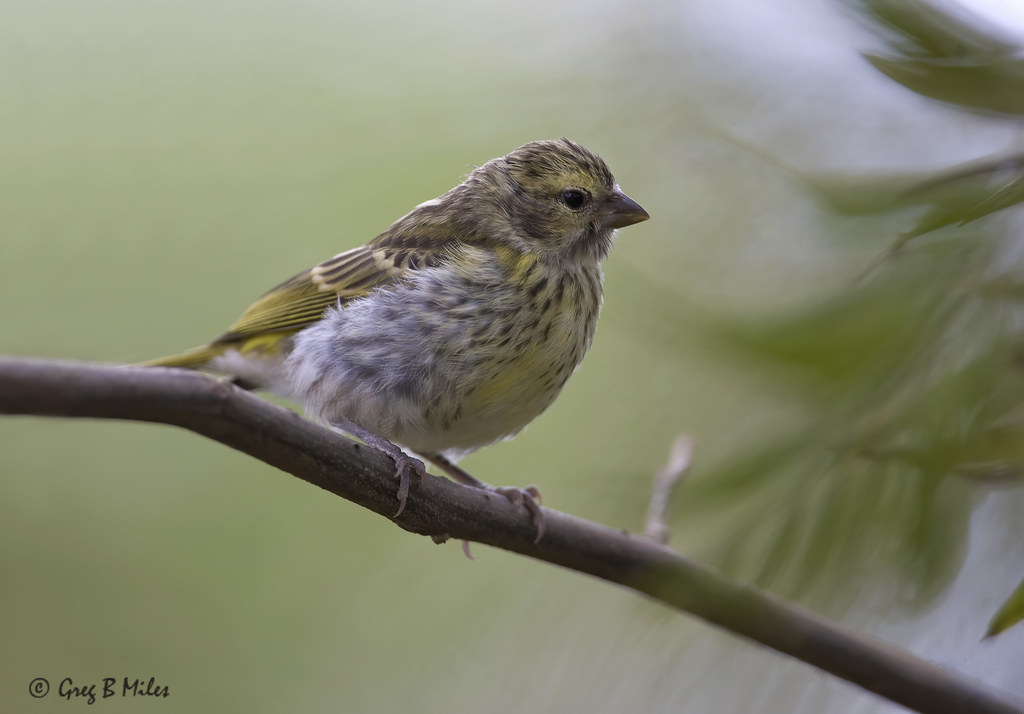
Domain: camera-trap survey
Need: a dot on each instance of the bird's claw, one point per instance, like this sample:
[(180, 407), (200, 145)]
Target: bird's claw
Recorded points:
[(529, 498), (404, 465)]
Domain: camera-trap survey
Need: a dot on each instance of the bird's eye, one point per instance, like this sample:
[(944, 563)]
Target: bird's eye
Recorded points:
[(574, 198)]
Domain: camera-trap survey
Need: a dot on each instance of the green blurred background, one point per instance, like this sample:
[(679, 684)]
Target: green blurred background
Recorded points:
[(855, 412)]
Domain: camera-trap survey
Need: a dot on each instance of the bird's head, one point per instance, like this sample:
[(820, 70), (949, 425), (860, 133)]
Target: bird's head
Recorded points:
[(558, 199)]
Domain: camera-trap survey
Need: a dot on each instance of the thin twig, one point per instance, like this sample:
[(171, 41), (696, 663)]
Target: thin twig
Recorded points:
[(438, 507), (679, 457)]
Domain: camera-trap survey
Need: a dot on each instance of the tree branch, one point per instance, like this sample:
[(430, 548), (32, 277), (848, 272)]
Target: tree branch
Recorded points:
[(440, 508)]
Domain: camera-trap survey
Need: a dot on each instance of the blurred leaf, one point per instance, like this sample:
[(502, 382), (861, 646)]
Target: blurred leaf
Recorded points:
[(951, 56), (843, 342), (912, 386), (922, 29), (865, 194), (1008, 195), (992, 86), (1009, 614), (957, 196), (824, 519), (969, 192)]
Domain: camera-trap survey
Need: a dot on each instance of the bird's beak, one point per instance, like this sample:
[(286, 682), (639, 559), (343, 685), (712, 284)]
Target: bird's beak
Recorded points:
[(620, 211)]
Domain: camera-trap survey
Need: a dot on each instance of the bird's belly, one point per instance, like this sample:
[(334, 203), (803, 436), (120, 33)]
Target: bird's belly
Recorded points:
[(497, 405), (438, 376)]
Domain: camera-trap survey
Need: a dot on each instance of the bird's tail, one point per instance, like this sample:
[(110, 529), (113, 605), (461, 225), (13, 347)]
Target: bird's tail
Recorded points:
[(260, 350), (193, 359)]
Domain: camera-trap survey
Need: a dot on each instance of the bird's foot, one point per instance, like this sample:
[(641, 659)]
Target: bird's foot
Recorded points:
[(529, 497), (405, 466)]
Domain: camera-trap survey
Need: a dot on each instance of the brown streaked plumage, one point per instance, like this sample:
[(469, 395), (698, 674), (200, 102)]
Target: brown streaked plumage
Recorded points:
[(453, 328)]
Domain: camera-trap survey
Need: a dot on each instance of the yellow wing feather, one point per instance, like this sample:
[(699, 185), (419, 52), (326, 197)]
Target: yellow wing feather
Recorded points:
[(302, 299)]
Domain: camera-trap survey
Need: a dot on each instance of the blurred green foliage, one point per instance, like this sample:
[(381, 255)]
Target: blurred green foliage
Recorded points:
[(909, 377), (948, 54), (1009, 614)]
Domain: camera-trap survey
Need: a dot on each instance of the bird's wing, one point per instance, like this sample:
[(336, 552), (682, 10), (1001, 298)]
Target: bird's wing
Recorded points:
[(301, 300)]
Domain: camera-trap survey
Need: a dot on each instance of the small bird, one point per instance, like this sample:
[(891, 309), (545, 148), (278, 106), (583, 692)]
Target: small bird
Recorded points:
[(452, 329)]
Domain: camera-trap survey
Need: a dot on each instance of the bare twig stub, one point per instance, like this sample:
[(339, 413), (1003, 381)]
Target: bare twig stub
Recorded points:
[(679, 457), (439, 508)]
